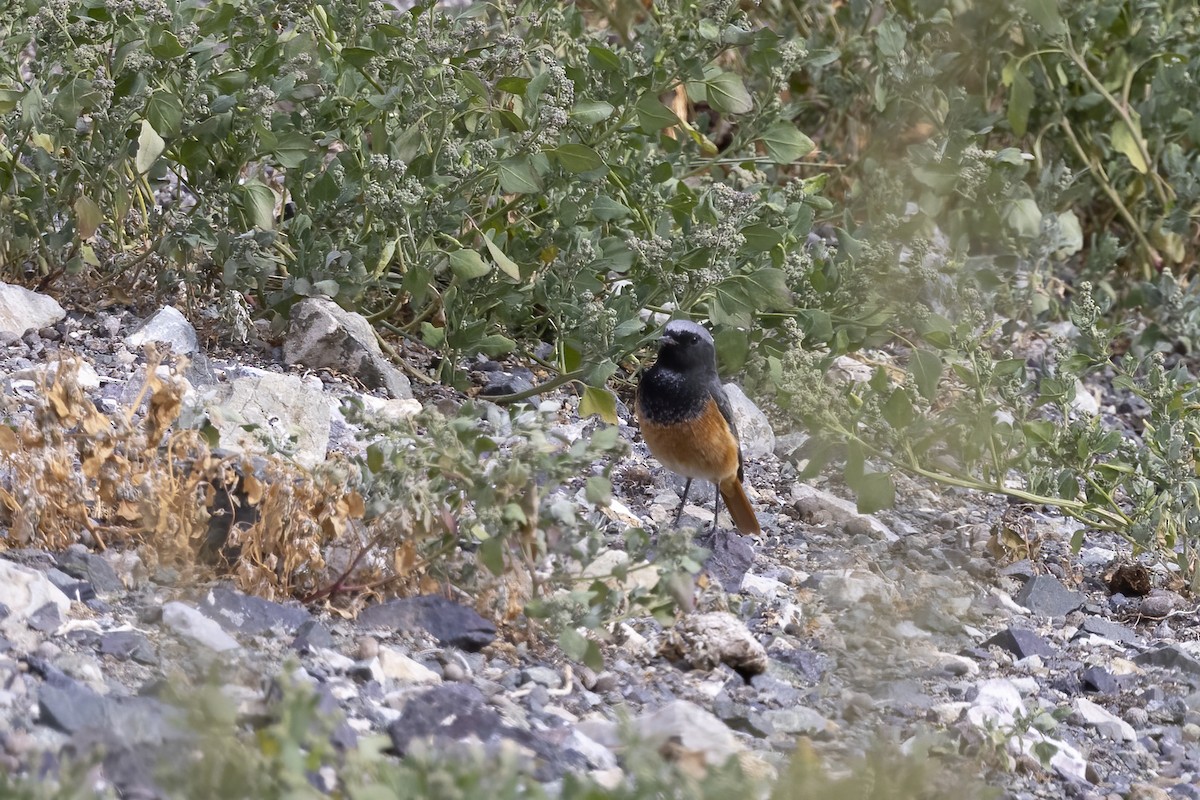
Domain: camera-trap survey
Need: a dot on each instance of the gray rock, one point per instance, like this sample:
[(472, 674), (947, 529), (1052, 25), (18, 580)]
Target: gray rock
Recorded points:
[(447, 621), (123, 645), (731, 554), (258, 404), (245, 613), (1106, 723), (1172, 656), (312, 635), (1045, 595), (190, 624), (76, 590), (693, 729), (73, 708), (1159, 603), (793, 721), (24, 591), (167, 326), (1098, 680), (87, 566), (452, 711), (1108, 630), (819, 507), (22, 310), (703, 641), (754, 429), (323, 334), (504, 383), (46, 619), (1021, 643), (789, 446), (543, 676), (395, 665)]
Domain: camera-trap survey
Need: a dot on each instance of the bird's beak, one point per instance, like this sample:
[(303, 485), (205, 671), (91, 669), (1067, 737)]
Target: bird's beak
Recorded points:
[(665, 339)]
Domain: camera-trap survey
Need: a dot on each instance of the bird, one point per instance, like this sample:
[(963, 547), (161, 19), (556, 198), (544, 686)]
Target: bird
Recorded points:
[(687, 422)]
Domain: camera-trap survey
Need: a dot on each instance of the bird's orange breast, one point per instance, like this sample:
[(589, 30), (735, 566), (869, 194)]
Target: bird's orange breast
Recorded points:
[(702, 447)]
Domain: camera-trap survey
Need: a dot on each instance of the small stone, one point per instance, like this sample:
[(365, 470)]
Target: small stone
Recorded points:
[(312, 635), (693, 730), (605, 682), (190, 624), (46, 619), (400, 668), (1191, 732), (1098, 680), (452, 711), (323, 334), (1147, 791), (766, 589), (167, 326), (1021, 643), (543, 676), (798, 720), (22, 310), (705, 640), (820, 507), (368, 647), (502, 384), (122, 645), (1106, 723), (1045, 595), (1109, 630), (1159, 603)]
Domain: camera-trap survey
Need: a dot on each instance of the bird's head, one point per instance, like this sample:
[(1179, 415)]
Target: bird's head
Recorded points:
[(685, 345)]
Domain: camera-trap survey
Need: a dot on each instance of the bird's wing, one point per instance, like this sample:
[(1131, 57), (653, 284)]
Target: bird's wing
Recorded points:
[(722, 400)]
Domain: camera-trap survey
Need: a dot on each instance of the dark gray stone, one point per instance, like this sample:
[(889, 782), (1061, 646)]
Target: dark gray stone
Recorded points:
[(1021, 643), (74, 709), (1109, 630), (501, 384), (452, 711), (1023, 570), (75, 589), (731, 558), (46, 619), (447, 621), (123, 645), (1098, 680), (311, 635), (1172, 657), (94, 569), (1044, 594), (243, 613)]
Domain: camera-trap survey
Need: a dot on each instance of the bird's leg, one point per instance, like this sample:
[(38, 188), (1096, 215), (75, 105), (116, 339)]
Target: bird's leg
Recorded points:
[(683, 501), (716, 506)]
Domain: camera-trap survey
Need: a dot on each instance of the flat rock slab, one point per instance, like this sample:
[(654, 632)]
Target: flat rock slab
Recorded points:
[(22, 310), (245, 613), (1021, 643), (1045, 595), (92, 568), (452, 711), (73, 708), (167, 326), (447, 621), (1172, 657), (257, 405)]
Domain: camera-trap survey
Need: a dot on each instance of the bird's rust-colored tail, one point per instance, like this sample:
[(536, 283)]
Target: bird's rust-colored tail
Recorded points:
[(739, 506)]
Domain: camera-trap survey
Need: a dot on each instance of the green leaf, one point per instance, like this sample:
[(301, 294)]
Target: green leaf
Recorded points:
[(874, 491), (327, 287), (598, 401), (576, 158), (517, 176), (579, 648), (468, 264), (491, 553), (1047, 14), (590, 112), (605, 209), (890, 38), (87, 216), (785, 144), (165, 112), (292, 148), (1128, 140), (506, 264), (727, 94), (1020, 101), (150, 147), (432, 335), (9, 99), (1025, 218), (258, 202), (165, 44), (598, 490), (898, 410), (653, 115), (927, 371), (496, 345), (75, 97)]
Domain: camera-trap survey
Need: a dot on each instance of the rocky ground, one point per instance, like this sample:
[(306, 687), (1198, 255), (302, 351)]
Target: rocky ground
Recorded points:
[(952, 619)]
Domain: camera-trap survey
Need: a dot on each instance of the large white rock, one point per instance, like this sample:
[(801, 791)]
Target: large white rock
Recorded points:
[(167, 326), (196, 628), (754, 429), (24, 591), (22, 310), (259, 410)]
